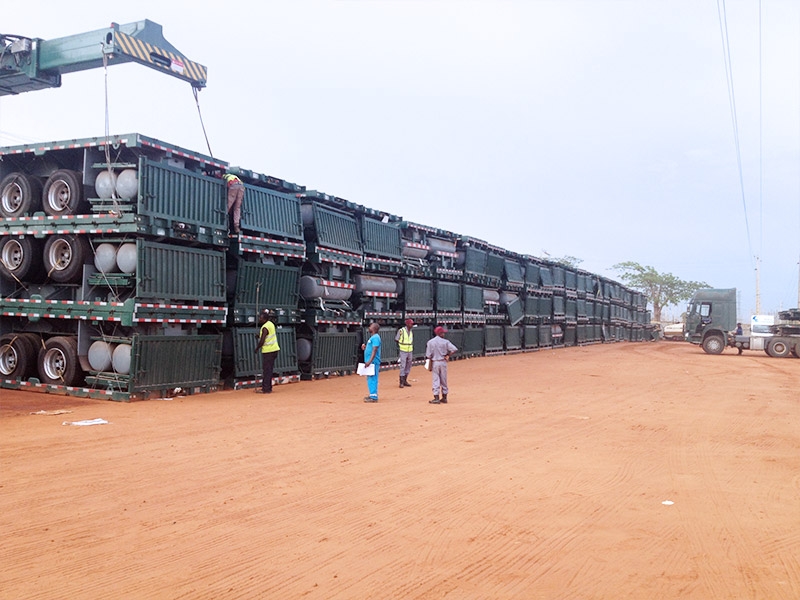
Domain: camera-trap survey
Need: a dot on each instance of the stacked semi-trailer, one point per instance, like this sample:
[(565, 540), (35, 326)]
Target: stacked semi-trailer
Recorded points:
[(119, 277)]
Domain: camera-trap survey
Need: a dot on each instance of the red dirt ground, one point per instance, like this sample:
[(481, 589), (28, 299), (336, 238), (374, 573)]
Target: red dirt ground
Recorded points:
[(548, 475)]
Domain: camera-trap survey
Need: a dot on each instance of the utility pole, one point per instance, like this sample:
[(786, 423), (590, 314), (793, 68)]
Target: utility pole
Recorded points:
[(758, 285)]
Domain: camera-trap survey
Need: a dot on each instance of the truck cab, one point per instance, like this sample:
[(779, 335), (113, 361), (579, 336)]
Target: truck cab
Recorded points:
[(710, 317)]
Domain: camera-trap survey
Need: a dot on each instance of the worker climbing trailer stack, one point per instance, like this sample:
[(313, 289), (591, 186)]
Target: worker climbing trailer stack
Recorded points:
[(264, 264), (113, 265)]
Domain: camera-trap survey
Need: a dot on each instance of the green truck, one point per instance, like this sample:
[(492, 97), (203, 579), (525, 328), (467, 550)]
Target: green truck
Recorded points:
[(711, 323)]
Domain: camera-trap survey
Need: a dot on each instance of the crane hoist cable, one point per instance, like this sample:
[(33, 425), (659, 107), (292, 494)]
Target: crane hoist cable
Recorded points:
[(726, 54), (200, 114)]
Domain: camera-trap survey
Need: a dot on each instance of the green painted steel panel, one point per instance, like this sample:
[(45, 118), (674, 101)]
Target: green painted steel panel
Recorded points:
[(531, 336), (513, 337), (475, 260), (570, 335), (381, 239), (260, 286), (336, 230), (495, 265), (494, 338), (581, 308), (247, 362), (473, 341), (582, 334), (545, 276), (162, 362), (174, 194), (418, 294), (422, 333), (532, 274), (570, 279), (335, 352), (456, 336), (559, 307), (531, 306), (448, 296), (558, 275), (513, 272), (272, 213), (572, 308), (545, 336), (516, 311), (473, 298), (545, 306), (170, 273)]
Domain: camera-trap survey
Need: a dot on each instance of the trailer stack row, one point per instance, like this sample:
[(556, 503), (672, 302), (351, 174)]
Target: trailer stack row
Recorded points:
[(119, 277)]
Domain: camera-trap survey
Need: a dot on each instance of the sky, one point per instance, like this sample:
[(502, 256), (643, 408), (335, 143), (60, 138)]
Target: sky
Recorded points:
[(594, 129)]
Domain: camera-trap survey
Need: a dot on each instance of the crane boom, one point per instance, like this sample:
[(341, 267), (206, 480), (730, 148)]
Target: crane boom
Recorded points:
[(28, 64)]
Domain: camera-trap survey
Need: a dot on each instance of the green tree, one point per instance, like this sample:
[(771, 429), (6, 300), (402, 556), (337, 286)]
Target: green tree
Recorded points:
[(568, 261), (661, 289)]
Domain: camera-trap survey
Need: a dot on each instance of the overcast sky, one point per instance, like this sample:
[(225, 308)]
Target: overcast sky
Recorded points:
[(599, 129)]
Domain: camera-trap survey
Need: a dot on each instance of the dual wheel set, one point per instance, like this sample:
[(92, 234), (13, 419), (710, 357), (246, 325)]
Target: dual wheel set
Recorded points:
[(53, 360)]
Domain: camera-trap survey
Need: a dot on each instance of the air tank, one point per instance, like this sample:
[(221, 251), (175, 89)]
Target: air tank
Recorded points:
[(105, 184), (375, 283), (307, 214), (304, 346), (121, 359), (313, 287), (412, 252), (100, 355), (128, 184), (491, 296), (105, 259), (126, 258), (440, 245)]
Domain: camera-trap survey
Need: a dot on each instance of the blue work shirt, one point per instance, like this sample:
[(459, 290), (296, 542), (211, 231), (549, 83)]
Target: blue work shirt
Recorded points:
[(373, 342)]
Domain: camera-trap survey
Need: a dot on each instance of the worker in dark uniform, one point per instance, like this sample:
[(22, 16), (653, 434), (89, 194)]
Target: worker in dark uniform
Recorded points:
[(235, 197)]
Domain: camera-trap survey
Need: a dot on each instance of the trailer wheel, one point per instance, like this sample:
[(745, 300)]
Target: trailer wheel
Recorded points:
[(778, 348), (64, 257), (17, 356), (20, 194), (63, 193), (58, 362), (713, 344), (21, 259)]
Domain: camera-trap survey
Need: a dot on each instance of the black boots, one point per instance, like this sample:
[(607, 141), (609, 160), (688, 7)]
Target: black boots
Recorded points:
[(444, 399), (404, 381), (435, 400)]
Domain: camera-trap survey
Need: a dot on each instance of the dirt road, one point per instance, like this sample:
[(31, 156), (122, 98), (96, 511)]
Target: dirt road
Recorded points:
[(606, 472)]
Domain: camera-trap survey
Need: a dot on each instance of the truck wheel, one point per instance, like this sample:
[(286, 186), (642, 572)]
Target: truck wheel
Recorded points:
[(63, 193), (17, 356), (58, 362), (64, 257), (778, 348), (713, 344), (20, 194), (21, 259)]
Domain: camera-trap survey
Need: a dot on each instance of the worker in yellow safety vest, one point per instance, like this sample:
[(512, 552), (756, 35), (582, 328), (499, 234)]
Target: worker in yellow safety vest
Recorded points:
[(405, 343), (269, 348), (235, 198)]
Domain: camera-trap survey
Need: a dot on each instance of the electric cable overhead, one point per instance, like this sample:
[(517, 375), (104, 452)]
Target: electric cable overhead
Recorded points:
[(726, 53)]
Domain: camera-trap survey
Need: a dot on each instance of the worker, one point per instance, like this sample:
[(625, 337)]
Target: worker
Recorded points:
[(269, 348), (438, 350), (235, 197), (372, 356), (405, 344)]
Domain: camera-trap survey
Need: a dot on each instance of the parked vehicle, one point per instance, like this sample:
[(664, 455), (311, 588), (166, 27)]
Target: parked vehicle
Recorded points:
[(711, 322)]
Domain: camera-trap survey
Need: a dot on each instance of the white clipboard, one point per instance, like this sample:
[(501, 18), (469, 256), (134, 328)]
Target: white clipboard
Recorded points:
[(366, 371)]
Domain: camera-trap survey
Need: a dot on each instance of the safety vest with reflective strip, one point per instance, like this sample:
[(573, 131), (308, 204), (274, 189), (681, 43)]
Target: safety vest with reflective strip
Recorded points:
[(231, 179), (406, 341), (271, 341)]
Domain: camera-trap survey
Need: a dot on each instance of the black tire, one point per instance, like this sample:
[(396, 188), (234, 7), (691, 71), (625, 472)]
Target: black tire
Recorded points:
[(20, 195), (713, 344), (778, 348), (63, 193), (17, 356), (58, 362), (64, 256), (21, 259)]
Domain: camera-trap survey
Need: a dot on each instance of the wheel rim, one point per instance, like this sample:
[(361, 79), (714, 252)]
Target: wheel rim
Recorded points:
[(12, 255), (59, 195), (780, 348), (8, 359), (54, 363), (60, 255), (714, 345), (12, 197)]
